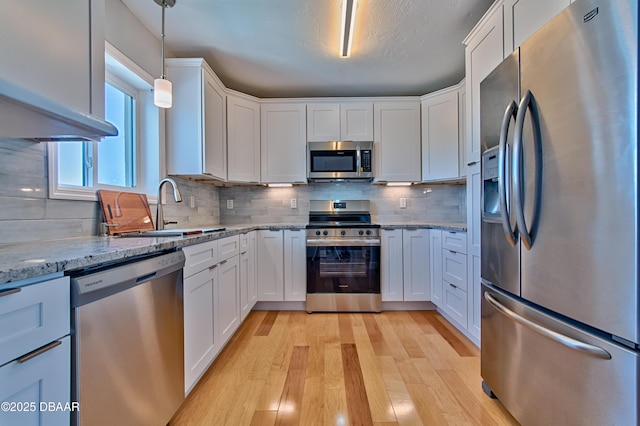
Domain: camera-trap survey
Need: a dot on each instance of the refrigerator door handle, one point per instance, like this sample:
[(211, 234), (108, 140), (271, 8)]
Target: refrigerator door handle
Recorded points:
[(553, 335), (527, 103), (504, 174)]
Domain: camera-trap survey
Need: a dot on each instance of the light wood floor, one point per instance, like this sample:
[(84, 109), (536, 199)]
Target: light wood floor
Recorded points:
[(392, 368)]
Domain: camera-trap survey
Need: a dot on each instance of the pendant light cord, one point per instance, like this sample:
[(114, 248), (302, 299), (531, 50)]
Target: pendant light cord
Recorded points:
[(164, 6)]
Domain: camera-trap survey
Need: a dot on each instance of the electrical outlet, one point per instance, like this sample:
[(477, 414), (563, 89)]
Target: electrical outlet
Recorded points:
[(230, 204), (294, 203), (403, 203), (192, 201)]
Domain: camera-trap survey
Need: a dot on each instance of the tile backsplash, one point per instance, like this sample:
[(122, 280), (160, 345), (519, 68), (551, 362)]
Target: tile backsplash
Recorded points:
[(258, 204), (26, 214)]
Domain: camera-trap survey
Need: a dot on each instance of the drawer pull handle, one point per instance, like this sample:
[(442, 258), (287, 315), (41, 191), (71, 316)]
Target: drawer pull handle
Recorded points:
[(213, 267), (452, 232), (454, 252), (223, 262), (453, 286), (473, 163), (39, 351), (244, 252), (10, 291)]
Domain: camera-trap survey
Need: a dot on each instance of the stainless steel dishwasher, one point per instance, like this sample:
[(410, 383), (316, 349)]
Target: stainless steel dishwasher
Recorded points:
[(127, 338)]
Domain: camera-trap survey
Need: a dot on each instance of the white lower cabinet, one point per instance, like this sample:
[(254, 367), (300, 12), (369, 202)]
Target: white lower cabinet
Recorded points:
[(35, 353), (248, 283), (450, 284), (282, 265), (404, 267), (211, 303)]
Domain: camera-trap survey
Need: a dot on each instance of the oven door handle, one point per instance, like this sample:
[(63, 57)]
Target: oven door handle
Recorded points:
[(357, 242)]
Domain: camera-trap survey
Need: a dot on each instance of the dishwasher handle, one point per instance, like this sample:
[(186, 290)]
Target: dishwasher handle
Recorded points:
[(89, 286)]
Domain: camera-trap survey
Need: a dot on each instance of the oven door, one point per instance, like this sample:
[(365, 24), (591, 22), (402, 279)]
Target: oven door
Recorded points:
[(337, 268)]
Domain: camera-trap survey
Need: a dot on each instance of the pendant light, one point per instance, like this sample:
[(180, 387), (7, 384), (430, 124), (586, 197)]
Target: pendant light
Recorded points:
[(162, 95)]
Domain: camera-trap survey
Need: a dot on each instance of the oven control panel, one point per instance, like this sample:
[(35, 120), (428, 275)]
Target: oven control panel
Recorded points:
[(343, 232)]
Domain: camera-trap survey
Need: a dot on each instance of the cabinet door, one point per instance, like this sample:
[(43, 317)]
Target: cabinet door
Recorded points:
[(244, 284), (391, 276), (283, 139), (295, 265), (270, 271), (397, 141), (253, 279), (43, 379), (455, 304), (415, 256), (200, 341), (440, 136), (46, 49), (435, 265), (483, 53), (323, 122), (228, 303), (522, 18), (243, 139), (356, 121), (473, 250), (215, 126)]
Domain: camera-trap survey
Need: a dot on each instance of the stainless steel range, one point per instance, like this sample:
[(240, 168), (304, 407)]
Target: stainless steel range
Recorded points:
[(343, 257)]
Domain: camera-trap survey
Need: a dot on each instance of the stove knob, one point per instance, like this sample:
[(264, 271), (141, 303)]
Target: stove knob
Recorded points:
[(325, 232), (343, 232), (317, 232), (360, 232), (368, 232)]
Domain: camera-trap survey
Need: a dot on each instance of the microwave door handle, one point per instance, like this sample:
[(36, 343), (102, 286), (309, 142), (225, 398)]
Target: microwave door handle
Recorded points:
[(358, 160)]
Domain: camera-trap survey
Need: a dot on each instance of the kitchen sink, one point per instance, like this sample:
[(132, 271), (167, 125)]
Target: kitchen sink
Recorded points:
[(171, 232)]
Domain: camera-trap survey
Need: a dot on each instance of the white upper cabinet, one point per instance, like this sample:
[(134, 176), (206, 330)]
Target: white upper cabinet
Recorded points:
[(47, 49), (522, 18), (196, 124), (323, 122), (243, 138), (440, 136), (484, 51), (351, 121), (283, 143), (397, 141)]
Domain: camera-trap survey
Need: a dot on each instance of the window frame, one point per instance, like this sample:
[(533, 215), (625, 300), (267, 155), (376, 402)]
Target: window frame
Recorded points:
[(126, 75)]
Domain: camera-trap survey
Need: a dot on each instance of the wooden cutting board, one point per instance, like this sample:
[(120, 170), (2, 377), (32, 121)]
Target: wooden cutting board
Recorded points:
[(125, 211)]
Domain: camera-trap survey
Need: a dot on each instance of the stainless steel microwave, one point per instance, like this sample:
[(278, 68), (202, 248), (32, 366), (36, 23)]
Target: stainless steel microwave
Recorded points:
[(338, 160)]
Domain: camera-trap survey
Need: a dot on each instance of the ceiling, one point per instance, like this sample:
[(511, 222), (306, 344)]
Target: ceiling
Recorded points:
[(289, 48)]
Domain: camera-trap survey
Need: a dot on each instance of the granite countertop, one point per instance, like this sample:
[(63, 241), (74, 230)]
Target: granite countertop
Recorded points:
[(30, 260)]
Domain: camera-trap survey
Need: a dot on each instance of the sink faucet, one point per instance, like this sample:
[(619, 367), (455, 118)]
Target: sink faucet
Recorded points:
[(160, 222)]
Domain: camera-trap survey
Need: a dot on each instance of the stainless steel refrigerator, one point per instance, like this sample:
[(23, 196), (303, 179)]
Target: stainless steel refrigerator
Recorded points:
[(560, 221)]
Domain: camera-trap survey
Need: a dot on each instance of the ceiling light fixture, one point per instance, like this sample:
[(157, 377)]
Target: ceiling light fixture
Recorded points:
[(162, 96), (348, 26)]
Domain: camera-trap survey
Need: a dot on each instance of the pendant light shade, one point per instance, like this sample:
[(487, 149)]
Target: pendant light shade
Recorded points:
[(162, 88), (162, 93)]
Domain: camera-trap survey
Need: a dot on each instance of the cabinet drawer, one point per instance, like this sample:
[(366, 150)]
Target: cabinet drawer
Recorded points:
[(455, 241), (200, 257), (42, 379), (455, 303), (228, 247), (32, 317), (454, 268)]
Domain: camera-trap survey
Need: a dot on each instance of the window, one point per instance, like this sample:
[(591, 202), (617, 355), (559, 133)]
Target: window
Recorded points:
[(127, 162)]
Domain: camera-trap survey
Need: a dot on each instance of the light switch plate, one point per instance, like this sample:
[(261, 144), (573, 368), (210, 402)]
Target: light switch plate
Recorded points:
[(192, 201), (229, 204), (294, 203), (403, 203)]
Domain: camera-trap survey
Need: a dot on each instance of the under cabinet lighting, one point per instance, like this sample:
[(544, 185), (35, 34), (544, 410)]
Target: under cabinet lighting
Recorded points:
[(279, 185), (399, 183), (347, 27)]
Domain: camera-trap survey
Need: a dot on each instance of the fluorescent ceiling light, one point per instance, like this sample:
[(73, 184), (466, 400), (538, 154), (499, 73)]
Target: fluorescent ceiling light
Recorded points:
[(398, 183), (347, 27), (279, 185)]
